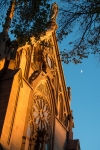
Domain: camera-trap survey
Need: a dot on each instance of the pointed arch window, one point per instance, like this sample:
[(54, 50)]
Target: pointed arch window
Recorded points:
[(28, 135), (60, 107), (18, 59), (28, 60)]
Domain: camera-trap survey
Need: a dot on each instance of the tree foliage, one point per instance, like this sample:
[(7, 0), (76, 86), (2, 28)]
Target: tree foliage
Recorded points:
[(85, 15), (30, 18)]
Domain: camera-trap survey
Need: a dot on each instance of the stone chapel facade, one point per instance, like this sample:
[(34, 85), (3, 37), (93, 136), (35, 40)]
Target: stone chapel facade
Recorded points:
[(35, 111)]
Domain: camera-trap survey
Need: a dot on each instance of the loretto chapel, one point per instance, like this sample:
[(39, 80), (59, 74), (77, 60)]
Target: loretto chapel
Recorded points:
[(35, 111)]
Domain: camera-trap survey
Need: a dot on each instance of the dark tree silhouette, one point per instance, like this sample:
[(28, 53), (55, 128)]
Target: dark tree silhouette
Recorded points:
[(30, 18), (85, 15)]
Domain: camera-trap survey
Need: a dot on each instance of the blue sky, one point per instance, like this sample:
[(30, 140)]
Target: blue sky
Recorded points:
[(85, 93), (85, 100)]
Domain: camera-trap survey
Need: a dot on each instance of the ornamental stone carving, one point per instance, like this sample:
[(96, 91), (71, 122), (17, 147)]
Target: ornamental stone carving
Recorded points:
[(33, 76), (42, 88), (41, 113), (49, 60), (54, 12)]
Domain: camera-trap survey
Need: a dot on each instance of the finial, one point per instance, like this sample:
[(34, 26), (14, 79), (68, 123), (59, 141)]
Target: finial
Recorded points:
[(69, 92), (54, 12)]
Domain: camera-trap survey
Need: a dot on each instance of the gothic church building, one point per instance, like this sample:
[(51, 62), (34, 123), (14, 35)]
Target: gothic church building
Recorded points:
[(35, 111)]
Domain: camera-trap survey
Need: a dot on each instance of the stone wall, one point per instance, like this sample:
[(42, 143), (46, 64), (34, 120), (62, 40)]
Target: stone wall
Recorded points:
[(60, 138), (5, 88)]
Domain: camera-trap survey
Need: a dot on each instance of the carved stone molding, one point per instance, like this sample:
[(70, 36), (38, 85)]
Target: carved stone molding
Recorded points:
[(33, 76), (54, 12), (42, 88), (49, 60), (40, 115)]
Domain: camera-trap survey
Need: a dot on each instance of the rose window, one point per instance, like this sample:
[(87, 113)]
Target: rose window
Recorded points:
[(41, 113)]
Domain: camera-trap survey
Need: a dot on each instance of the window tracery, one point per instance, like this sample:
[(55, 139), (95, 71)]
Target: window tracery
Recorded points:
[(40, 116), (49, 60), (41, 113)]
